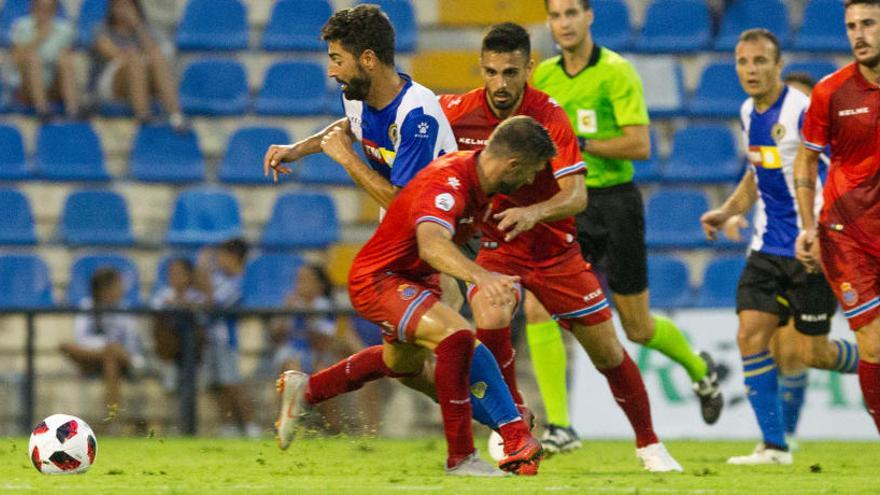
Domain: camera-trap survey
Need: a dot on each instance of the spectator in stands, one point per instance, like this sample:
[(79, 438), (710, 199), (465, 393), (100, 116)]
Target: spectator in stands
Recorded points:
[(129, 63), (43, 69), (180, 292), (106, 343), (219, 274)]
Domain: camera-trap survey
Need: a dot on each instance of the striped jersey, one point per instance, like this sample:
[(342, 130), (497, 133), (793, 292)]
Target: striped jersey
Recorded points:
[(405, 136), (773, 139)]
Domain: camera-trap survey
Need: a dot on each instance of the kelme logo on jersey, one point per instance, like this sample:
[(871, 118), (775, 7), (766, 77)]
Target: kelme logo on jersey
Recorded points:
[(850, 296), (479, 389), (444, 201), (406, 291)]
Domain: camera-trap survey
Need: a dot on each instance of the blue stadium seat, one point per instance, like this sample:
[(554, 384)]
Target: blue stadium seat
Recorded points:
[(301, 220), (719, 282), (672, 219), (214, 87), (816, 68), (822, 29), (159, 154), (95, 218), (13, 163), (747, 14), (369, 333), (70, 152), (12, 10), (612, 27), (24, 282), (268, 278), (321, 169), (216, 25), (243, 162), (307, 15), (718, 94), (403, 17), (204, 215), (91, 13), (292, 88), (675, 26), (650, 170), (703, 154), (81, 274), (666, 96), (17, 227), (669, 282)]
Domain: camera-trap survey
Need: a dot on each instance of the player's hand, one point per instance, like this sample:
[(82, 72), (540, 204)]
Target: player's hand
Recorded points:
[(806, 249), (712, 221), (515, 221), (500, 289), (337, 144), (733, 227), (276, 155)]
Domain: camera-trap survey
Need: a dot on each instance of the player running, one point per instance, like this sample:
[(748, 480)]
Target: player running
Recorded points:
[(394, 283), (844, 112), (602, 95), (771, 120), (531, 234)]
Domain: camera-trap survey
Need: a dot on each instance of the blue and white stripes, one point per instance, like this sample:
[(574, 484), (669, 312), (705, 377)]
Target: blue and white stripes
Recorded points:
[(593, 308), (437, 220), (862, 308), (401, 327), (571, 169), (847, 356)]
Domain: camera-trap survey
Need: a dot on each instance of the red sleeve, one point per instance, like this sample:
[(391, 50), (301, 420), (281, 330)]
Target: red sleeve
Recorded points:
[(442, 204), (817, 120), (568, 158)]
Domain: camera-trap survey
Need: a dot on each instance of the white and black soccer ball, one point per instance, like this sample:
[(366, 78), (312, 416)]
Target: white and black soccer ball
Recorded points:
[(62, 444)]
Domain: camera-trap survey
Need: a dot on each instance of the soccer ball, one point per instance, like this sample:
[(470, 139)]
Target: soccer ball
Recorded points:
[(62, 444)]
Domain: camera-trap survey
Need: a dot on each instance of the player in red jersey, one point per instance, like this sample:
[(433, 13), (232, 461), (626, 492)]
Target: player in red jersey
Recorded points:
[(532, 234), (394, 282), (844, 112)]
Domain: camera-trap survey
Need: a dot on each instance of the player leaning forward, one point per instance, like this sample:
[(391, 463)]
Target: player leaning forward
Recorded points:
[(844, 112)]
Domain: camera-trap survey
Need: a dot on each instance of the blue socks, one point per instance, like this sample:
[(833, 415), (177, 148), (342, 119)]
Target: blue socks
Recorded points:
[(762, 389), (792, 389), (491, 401), (847, 356)]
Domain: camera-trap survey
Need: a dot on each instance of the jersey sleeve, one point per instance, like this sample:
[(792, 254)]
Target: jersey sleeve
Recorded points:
[(442, 204), (568, 158), (815, 130), (627, 97), (417, 147)]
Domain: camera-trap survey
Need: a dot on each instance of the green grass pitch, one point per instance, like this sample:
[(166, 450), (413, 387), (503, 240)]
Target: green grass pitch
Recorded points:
[(381, 466)]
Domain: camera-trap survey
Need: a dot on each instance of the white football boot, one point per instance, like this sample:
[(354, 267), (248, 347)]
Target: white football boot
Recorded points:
[(763, 455), (473, 465), (291, 386), (656, 458)]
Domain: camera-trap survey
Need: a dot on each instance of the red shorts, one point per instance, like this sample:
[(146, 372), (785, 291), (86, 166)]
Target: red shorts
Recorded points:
[(394, 302), (566, 285), (854, 276)]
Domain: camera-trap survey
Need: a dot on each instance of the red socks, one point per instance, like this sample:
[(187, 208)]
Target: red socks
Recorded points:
[(869, 379), (512, 433), (628, 390), (499, 342), (454, 354), (349, 374)]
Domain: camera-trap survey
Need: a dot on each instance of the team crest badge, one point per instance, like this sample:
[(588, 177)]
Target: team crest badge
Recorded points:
[(393, 133), (406, 291), (850, 296), (777, 132), (479, 389)]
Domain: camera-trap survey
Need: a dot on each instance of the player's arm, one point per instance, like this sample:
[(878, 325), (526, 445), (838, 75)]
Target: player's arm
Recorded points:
[(277, 154), (568, 202), (634, 144), (741, 201), (337, 144), (806, 168), (437, 249)]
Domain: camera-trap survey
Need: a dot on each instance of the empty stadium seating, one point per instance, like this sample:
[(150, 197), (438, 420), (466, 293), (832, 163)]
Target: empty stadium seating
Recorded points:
[(612, 27), (13, 162), (160, 154), (95, 218), (321, 169), (718, 94), (214, 87), (301, 220), (268, 278), (243, 161), (458, 13), (204, 215), (216, 25), (17, 227), (669, 282), (70, 152), (747, 14), (719, 282), (815, 68), (91, 13), (675, 26), (822, 29), (650, 170), (703, 154), (25, 282), (672, 219), (292, 88), (307, 15), (81, 273), (403, 18)]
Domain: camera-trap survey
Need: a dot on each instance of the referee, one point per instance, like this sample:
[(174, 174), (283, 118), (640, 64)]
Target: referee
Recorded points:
[(602, 95)]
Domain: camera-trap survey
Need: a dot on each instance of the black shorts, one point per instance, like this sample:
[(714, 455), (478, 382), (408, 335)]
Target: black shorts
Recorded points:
[(611, 232), (768, 277)]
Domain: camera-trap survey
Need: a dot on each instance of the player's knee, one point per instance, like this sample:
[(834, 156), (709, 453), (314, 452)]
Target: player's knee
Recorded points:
[(637, 330), (749, 341)]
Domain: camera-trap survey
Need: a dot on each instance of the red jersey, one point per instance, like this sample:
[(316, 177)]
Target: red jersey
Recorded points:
[(446, 192), (473, 121), (844, 112)]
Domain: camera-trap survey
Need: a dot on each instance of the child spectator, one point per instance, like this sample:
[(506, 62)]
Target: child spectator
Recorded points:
[(43, 68), (219, 274)]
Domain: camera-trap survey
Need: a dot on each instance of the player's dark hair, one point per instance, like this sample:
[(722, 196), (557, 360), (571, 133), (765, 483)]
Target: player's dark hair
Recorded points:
[(238, 247), (800, 77), (362, 28), (522, 137), (102, 278), (507, 37), (584, 3), (757, 34), (848, 3)]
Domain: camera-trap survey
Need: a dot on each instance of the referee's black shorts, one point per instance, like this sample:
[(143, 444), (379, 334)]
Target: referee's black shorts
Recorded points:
[(611, 232)]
